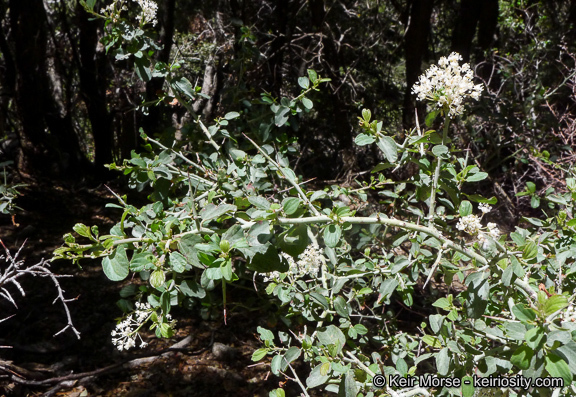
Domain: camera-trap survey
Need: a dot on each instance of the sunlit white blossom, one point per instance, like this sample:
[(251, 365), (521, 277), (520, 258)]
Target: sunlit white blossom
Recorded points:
[(485, 208), (493, 230), (149, 10), (470, 224), (126, 332), (309, 263), (448, 85)]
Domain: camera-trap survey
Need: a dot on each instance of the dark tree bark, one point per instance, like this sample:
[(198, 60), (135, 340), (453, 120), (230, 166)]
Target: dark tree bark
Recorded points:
[(277, 47), (57, 152), (93, 85), (475, 16), (166, 36), (415, 45), (29, 63)]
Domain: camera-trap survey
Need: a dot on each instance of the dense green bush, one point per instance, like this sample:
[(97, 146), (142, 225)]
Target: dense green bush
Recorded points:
[(228, 210)]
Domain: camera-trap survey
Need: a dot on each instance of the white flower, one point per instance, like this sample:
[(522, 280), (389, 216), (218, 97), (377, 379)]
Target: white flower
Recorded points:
[(448, 85), (149, 9), (309, 263), (470, 224), (485, 208), (493, 230), (126, 332)]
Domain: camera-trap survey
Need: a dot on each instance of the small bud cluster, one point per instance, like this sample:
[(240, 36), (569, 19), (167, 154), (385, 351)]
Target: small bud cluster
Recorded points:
[(471, 225), (309, 263), (448, 85), (126, 332)]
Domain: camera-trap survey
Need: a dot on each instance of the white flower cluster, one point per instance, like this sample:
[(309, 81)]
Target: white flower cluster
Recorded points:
[(448, 85), (114, 9), (309, 262), (124, 336), (471, 225), (149, 9)]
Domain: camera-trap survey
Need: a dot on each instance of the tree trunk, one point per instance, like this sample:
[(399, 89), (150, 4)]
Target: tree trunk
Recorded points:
[(166, 36), (56, 153), (93, 84), (415, 45)]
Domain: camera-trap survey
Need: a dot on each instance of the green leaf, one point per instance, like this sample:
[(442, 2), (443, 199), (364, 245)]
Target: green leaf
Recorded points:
[(364, 139), (443, 362), (192, 289), (82, 230), (332, 235), (347, 386), (290, 205), (184, 85), (187, 246), (465, 208), (294, 240), (558, 368), (341, 306), (436, 321), (319, 298), (389, 148), (307, 103), (522, 357), (362, 330), (479, 176), (316, 377), (212, 211), (312, 75), (440, 151), (277, 393), (291, 354), (166, 330), (140, 261), (259, 354), (259, 202), (231, 115), (442, 303), (468, 386), (432, 341), (530, 250), (523, 313), (277, 364), (332, 335), (178, 262), (366, 115), (430, 117), (304, 82), (116, 267), (535, 337), (265, 334), (555, 303), (268, 261)]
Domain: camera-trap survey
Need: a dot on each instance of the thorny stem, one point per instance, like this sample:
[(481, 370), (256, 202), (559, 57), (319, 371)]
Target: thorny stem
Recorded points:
[(299, 381), (437, 173), (292, 182)]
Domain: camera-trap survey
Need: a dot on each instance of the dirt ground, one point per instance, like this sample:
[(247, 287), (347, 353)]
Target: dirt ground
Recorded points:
[(35, 363)]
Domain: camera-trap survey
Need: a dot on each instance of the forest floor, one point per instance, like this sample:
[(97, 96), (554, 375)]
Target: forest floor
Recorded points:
[(34, 362)]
